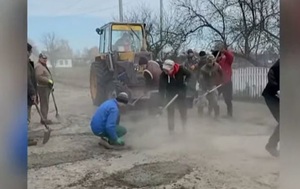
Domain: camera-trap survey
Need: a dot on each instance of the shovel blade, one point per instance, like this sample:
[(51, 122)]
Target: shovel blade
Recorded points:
[(57, 116), (46, 136)]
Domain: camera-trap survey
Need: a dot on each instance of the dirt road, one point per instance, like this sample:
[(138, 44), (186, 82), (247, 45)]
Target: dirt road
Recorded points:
[(211, 154)]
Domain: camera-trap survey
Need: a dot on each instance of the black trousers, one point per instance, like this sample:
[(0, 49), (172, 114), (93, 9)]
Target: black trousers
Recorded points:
[(226, 90), (272, 102), (180, 103)]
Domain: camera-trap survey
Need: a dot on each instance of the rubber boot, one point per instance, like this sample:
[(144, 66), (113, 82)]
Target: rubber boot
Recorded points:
[(48, 122), (31, 142)]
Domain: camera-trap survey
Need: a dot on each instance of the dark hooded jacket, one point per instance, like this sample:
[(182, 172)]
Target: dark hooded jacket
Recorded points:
[(273, 85), (31, 82), (170, 85)]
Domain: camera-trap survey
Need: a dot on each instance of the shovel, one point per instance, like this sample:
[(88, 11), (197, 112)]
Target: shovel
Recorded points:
[(48, 130), (136, 100), (56, 109), (200, 97), (166, 106)]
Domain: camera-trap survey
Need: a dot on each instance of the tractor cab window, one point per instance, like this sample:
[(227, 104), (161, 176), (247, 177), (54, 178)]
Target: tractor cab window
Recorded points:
[(101, 45), (126, 38)]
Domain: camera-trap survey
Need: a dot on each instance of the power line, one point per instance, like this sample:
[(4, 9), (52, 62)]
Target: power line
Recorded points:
[(70, 6), (86, 11)]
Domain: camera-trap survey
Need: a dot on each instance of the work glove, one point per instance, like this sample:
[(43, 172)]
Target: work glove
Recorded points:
[(50, 83), (120, 141)]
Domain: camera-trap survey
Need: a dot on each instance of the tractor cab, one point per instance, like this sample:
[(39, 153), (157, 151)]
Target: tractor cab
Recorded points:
[(120, 48), (124, 40)]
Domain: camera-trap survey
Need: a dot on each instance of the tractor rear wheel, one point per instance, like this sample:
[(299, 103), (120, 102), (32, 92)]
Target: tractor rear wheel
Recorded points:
[(102, 84), (99, 78)]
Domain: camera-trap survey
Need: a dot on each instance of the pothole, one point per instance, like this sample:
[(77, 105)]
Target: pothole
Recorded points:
[(147, 175)]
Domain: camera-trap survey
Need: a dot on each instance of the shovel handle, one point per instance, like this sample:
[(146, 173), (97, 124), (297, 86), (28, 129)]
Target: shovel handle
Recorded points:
[(54, 102), (206, 93), (42, 118), (136, 100), (170, 102)]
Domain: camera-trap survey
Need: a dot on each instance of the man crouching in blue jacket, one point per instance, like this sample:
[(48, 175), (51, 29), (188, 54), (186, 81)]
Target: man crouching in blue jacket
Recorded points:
[(105, 122)]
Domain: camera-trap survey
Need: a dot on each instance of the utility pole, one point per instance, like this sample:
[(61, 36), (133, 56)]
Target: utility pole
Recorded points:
[(121, 10), (161, 24)]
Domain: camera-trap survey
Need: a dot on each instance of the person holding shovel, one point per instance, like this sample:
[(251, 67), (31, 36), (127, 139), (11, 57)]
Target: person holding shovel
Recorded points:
[(225, 59), (270, 94), (173, 81), (45, 86), (191, 63), (202, 102), (211, 76), (32, 97), (105, 122)]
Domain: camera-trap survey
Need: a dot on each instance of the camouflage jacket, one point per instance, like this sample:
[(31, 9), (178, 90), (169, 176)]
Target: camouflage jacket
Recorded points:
[(210, 76)]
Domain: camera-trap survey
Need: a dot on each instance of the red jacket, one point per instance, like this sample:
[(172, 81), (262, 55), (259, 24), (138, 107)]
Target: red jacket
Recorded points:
[(225, 63)]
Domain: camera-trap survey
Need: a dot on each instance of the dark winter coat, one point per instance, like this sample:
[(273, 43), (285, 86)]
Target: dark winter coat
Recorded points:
[(273, 85), (169, 86), (31, 83), (201, 63)]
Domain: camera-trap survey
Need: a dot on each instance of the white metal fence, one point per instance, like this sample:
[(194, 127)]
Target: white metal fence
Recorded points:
[(249, 82)]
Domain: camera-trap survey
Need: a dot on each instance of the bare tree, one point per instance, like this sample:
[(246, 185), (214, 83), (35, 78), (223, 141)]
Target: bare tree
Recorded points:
[(206, 14), (56, 48), (89, 54), (246, 26), (170, 39), (51, 45), (253, 27)]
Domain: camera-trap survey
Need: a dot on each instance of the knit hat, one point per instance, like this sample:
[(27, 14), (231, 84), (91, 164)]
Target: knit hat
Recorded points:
[(202, 53), (215, 53), (122, 97), (143, 60), (168, 64), (42, 55), (190, 51), (210, 60)]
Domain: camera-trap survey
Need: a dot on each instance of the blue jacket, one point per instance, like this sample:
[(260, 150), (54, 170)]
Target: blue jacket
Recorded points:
[(105, 119)]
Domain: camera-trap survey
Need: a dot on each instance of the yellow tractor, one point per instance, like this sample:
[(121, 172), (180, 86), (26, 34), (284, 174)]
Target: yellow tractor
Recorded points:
[(116, 69)]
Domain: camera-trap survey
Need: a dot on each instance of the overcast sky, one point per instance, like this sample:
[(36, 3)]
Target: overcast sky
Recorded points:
[(76, 20)]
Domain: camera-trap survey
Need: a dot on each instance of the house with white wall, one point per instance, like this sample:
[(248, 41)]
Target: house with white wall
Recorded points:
[(61, 63)]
